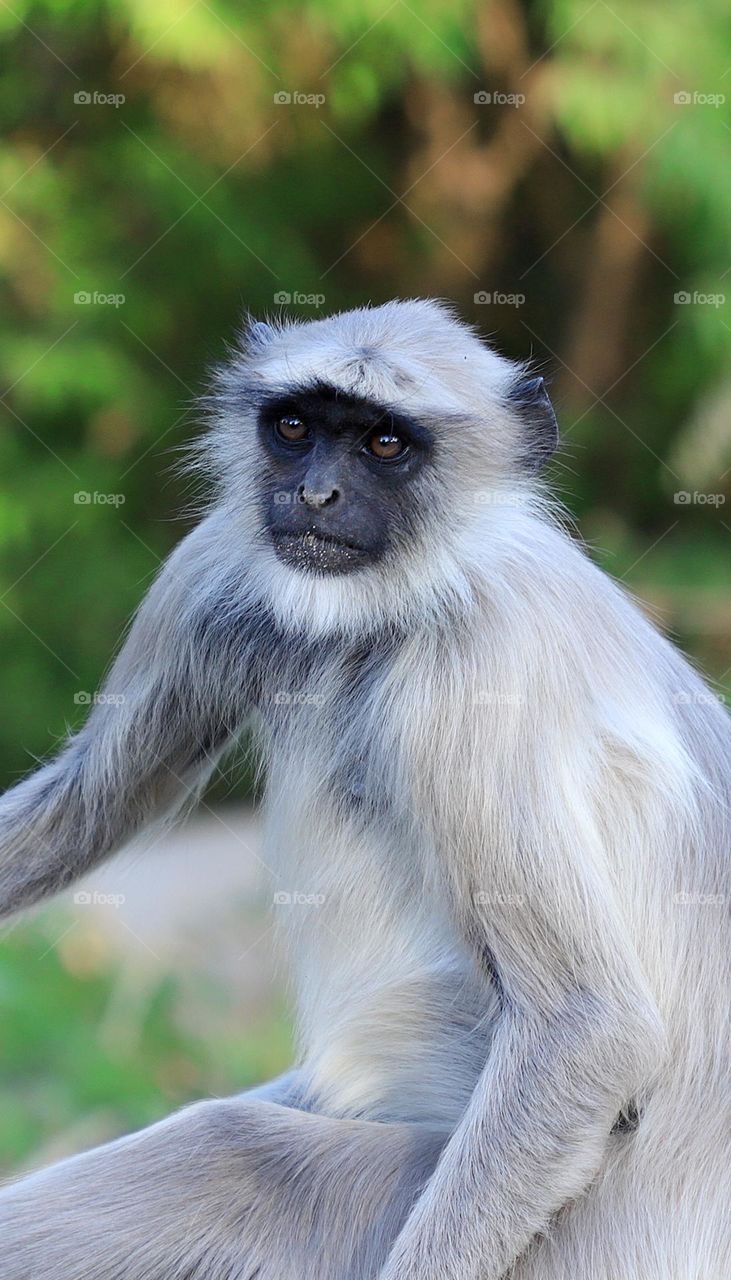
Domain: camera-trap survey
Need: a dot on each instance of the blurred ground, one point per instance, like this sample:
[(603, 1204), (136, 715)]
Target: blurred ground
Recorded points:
[(194, 900), (152, 982)]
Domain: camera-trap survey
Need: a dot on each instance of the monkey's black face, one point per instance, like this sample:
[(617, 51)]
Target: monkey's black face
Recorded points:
[(340, 480)]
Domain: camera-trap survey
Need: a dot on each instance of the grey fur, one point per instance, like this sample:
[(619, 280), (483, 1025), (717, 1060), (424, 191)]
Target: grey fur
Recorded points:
[(508, 797)]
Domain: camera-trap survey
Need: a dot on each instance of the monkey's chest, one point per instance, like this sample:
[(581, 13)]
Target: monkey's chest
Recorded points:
[(337, 739)]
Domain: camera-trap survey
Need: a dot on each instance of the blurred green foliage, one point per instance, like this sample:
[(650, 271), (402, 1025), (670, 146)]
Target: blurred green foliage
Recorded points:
[(78, 1067)]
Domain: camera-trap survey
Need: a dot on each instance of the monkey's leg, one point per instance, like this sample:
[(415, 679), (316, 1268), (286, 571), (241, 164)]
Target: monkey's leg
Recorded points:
[(224, 1190)]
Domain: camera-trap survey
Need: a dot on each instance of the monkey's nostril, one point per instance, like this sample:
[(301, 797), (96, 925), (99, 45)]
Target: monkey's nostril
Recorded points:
[(319, 497)]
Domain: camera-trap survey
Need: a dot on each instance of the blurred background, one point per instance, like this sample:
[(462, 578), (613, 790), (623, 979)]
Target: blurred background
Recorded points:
[(558, 168)]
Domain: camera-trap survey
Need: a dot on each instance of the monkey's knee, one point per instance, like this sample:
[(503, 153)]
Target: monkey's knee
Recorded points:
[(251, 1188), (318, 1195)]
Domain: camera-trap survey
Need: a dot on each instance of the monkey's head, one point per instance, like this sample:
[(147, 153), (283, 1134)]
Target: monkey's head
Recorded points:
[(367, 457)]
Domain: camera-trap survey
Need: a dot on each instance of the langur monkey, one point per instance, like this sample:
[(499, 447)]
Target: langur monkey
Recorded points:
[(508, 796)]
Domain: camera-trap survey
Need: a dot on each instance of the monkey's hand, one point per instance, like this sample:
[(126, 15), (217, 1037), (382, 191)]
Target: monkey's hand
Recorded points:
[(178, 691), (532, 1138)]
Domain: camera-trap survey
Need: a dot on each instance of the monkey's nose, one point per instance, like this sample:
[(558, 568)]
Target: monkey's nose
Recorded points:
[(322, 495)]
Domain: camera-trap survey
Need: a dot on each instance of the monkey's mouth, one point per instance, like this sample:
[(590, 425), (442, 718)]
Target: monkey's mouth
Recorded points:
[(319, 552)]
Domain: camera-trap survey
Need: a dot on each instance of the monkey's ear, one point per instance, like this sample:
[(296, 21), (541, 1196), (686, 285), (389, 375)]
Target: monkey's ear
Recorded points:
[(530, 397)]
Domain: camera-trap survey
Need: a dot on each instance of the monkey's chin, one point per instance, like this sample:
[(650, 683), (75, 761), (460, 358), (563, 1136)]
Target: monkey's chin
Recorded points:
[(314, 553)]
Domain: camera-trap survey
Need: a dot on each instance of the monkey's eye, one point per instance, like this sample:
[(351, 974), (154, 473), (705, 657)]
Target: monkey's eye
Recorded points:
[(291, 428), (386, 447)]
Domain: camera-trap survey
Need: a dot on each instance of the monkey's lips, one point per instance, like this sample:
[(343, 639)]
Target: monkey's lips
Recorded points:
[(319, 552)]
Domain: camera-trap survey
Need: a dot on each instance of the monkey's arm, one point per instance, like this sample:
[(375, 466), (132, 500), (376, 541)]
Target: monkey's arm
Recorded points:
[(176, 694), (577, 1037)]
